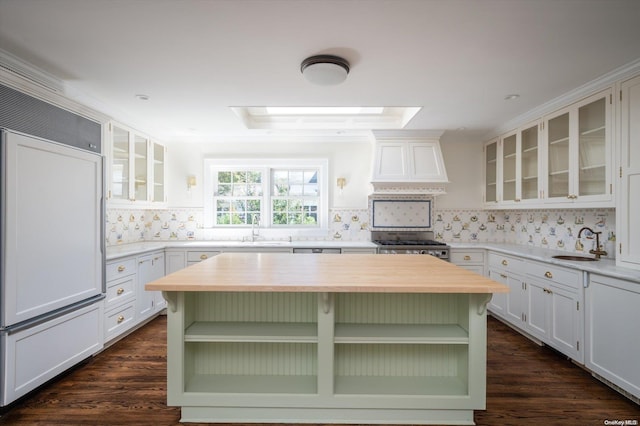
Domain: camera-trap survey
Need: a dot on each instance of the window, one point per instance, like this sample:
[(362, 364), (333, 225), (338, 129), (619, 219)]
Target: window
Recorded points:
[(281, 194)]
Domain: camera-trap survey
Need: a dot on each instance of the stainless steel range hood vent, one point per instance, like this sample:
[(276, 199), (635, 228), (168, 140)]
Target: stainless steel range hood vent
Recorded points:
[(408, 162)]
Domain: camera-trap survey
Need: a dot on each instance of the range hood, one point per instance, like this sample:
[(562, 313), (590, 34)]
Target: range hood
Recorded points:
[(408, 162)]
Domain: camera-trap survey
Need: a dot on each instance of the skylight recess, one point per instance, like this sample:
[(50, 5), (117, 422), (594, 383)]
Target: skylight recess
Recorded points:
[(325, 117)]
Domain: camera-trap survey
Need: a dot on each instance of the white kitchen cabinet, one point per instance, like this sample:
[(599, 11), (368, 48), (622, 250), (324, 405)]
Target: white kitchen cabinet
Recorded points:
[(127, 303), (137, 168), (564, 159), (509, 270), (174, 260), (512, 168), (491, 173), (469, 259), (553, 312), (611, 331), (119, 307), (579, 153), (628, 202), (198, 256), (150, 268)]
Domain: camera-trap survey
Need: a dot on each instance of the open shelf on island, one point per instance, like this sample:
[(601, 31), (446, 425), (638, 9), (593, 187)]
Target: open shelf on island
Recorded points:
[(205, 331), (263, 384), (401, 333)]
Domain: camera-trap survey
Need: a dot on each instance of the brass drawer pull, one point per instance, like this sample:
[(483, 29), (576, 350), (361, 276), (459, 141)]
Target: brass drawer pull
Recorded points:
[(504, 262), (546, 290), (203, 257), (504, 276), (121, 268), (120, 319), (467, 257), (548, 274), (120, 291)]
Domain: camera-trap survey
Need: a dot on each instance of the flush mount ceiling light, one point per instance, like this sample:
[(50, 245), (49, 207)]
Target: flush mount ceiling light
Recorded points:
[(325, 70), (511, 97)]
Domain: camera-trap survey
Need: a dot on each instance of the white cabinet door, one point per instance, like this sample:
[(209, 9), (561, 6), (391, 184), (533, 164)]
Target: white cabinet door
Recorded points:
[(150, 268), (515, 299), (390, 161), (52, 240), (628, 208), (565, 321), (612, 332), (537, 315), (579, 153), (498, 303), (491, 195)]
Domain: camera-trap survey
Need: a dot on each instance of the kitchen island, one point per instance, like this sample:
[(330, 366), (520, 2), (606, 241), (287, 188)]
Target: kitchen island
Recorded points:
[(328, 338)]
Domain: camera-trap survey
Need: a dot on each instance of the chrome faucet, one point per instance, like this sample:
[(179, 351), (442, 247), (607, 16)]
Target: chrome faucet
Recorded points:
[(597, 250), (254, 234)]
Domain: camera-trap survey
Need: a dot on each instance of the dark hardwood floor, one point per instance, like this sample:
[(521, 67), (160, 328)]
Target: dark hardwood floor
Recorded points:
[(126, 385)]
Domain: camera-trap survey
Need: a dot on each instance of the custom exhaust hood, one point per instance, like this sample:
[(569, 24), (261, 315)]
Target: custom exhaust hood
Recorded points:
[(408, 162)]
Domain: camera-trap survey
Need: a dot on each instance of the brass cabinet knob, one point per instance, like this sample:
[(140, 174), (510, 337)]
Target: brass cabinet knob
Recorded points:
[(120, 319), (548, 274), (467, 258), (504, 262), (120, 291), (203, 257), (121, 268)]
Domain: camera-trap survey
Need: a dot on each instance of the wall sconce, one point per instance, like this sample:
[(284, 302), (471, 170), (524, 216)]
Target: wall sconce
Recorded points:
[(341, 182), (191, 181)]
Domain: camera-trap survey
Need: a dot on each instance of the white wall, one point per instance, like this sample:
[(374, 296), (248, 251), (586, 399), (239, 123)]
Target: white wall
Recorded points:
[(464, 161), (351, 160)]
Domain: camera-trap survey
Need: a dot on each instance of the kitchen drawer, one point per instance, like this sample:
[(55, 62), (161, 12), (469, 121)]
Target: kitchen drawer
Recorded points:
[(119, 320), (507, 263), (120, 268), (556, 274), (464, 257), (199, 256), (119, 291)]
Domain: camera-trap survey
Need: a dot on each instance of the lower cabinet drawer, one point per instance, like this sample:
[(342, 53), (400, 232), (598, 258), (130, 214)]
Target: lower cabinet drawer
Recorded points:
[(511, 264), (119, 320), (462, 257), (556, 274), (119, 291), (120, 268), (198, 256)]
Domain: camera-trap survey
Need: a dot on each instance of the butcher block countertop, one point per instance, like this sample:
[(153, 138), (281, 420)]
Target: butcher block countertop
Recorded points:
[(349, 273)]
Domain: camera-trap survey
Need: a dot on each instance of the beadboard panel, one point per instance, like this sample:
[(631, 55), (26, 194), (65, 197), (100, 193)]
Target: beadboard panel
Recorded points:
[(255, 307), (253, 359), (401, 360), (374, 308)]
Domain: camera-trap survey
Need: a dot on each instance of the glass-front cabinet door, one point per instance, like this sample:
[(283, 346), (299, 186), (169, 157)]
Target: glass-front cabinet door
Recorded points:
[(558, 156), (119, 164), (592, 145), (509, 166), (140, 171), (579, 157), (529, 171), (158, 173), (491, 172), (136, 167)]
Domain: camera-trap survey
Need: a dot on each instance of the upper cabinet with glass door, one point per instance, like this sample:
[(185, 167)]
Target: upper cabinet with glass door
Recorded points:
[(491, 173), (579, 153), (136, 168)]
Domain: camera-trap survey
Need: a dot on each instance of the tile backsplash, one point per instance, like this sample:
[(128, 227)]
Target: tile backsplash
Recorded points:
[(556, 229)]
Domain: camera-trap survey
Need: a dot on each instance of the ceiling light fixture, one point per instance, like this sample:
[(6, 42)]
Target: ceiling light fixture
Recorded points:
[(142, 97), (511, 97), (325, 70)]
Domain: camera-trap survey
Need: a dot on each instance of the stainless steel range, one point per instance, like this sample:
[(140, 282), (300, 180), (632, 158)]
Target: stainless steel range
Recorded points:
[(409, 242)]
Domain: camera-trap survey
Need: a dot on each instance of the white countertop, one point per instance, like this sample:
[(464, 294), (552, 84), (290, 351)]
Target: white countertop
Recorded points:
[(603, 266), (114, 252)]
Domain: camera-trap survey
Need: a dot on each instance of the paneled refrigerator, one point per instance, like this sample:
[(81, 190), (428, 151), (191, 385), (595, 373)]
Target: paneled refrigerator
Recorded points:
[(52, 256)]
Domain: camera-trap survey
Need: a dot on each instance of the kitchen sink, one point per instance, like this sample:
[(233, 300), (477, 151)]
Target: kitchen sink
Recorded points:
[(576, 258)]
